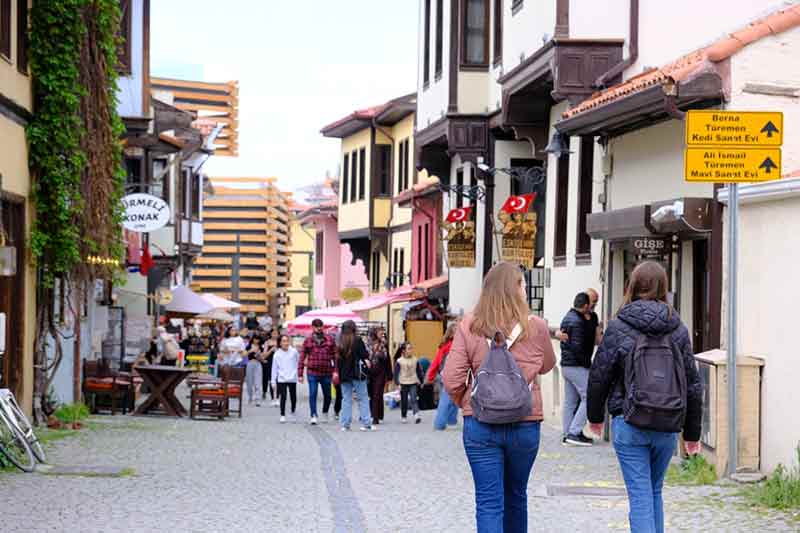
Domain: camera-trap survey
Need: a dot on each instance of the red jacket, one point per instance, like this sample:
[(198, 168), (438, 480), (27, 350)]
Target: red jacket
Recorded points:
[(444, 349), (321, 356)]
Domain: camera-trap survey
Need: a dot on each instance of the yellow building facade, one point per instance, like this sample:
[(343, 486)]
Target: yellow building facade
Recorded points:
[(301, 282), (17, 292), (256, 212)]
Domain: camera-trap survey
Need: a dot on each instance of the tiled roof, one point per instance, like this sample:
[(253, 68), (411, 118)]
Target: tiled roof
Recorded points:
[(696, 61), (417, 190), (361, 114)]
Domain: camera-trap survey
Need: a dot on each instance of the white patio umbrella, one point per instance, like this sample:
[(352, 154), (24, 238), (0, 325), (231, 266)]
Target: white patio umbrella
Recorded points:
[(220, 303), (187, 303), (216, 315)]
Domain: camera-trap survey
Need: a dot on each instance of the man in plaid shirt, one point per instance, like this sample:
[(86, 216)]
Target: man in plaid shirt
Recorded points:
[(319, 355)]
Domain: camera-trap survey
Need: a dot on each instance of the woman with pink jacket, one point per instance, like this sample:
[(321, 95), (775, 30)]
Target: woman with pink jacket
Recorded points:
[(501, 456)]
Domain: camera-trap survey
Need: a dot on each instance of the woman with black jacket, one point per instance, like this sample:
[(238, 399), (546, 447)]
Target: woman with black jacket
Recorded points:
[(646, 334), (353, 366)]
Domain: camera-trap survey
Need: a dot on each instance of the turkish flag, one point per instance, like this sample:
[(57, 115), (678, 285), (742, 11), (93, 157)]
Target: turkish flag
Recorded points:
[(459, 215), (519, 204), (147, 261)]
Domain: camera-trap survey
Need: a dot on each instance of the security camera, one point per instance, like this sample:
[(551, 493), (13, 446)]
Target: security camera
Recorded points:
[(667, 213)]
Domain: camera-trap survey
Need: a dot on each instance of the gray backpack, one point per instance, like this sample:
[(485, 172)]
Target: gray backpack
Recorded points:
[(500, 393)]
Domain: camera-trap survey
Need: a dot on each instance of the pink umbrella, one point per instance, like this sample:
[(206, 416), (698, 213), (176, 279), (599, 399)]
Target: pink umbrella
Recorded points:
[(332, 317)]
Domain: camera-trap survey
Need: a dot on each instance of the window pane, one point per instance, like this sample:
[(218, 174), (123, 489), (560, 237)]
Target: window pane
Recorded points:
[(439, 35), (476, 31), (5, 28), (346, 179), (353, 175), (362, 156), (562, 194)]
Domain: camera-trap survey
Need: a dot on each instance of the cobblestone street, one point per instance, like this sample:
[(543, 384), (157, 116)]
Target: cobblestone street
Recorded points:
[(254, 474)]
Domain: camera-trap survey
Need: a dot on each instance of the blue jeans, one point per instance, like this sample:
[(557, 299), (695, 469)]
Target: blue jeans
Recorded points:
[(643, 458), (346, 416), (446, 412), (325, 383), (501, 458)]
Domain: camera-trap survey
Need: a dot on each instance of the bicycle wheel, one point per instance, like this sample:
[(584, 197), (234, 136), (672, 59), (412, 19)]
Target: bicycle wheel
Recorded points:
[(14, 447), (27, 430)]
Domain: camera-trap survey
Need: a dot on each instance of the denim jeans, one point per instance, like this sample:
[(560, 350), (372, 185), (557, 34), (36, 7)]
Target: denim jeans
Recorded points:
[(643, 458), (446, 412), (325, 383), (501, 458), (346, 416), (576, 381)]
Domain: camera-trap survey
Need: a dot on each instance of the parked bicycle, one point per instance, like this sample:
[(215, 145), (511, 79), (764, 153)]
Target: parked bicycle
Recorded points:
[(18, 441)]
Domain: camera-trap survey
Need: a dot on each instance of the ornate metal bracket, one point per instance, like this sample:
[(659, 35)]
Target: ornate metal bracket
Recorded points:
[(474, 193)]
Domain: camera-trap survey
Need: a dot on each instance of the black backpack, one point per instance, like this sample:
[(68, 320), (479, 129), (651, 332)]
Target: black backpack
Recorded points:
[(655, 385)]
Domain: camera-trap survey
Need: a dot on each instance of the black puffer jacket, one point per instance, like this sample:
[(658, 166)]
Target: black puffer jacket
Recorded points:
[(354, 367), (574, 352), (606, 379)]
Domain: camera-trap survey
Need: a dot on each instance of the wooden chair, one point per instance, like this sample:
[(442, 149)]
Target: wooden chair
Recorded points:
[(100, 382), (208, 397), (233, 377)]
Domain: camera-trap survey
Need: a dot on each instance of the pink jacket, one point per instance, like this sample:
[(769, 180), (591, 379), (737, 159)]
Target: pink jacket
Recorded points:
[(533, 353)]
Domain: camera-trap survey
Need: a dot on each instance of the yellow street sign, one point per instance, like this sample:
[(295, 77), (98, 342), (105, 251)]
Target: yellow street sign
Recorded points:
[(734, 128), (732, 165)]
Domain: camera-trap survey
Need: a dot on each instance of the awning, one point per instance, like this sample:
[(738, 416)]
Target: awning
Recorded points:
[(637, 221), (187, 303), (220, 303), (400, 294), (216, 315), (332, 317), (433, 283)]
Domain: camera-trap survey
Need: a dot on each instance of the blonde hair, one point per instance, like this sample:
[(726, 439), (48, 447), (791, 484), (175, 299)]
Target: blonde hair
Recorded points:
[(449, 333), (501, 305)]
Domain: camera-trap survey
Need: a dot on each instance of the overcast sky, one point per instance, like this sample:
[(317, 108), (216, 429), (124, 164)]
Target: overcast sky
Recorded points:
[(300, 65)]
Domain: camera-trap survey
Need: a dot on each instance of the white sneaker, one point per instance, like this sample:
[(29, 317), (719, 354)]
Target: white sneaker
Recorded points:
[(275, 403), (404, 420), (344, 428), (258, 404), (365, 428), (313, 421), (283, 420)]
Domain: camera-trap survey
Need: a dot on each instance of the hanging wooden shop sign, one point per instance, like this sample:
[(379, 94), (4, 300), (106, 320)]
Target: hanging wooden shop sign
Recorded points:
[(460, 238), (144, 212), (518, 228)]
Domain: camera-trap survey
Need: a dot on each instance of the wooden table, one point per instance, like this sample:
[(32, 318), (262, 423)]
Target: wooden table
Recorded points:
[(162, 381)]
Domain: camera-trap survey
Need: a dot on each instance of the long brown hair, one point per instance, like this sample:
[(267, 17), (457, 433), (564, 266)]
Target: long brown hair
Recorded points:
[(449, 333), (347, 338), (648, 281), (501, 305)]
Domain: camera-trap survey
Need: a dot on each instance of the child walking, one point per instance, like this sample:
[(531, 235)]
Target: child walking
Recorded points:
[(408, 374), (253, 372), (284, 374)]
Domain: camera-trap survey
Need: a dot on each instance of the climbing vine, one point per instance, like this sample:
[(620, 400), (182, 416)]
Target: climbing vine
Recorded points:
[(75, 157)]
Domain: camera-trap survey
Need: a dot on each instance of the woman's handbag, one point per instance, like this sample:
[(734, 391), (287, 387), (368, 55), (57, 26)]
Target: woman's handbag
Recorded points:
[(335, 378)]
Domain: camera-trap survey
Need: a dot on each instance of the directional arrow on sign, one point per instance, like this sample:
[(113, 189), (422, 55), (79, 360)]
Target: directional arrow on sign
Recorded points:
[(768, 165), (769, 128)]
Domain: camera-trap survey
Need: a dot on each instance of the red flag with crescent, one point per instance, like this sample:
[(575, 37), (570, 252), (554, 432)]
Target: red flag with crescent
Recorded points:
[(519, 204), (459, 215)]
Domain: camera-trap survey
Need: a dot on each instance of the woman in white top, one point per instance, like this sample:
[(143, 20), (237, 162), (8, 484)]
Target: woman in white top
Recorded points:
[(232, 348), (284, 374)]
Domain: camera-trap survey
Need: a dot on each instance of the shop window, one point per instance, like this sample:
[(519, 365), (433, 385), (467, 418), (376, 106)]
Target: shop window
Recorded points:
[(498, 32), (439, 37), (134, 175), (346, 178), (427, 248), (562, 197), (583, 248), (402, 166), (362, 161), (426, 61), (376, 271), (318, 252), (475, 51)]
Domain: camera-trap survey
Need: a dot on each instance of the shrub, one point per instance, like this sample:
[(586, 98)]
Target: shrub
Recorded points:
[(694, 470), (781, 490), (72, 412)]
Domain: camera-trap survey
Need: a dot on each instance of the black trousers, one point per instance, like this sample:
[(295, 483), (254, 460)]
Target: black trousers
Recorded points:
[(266, 374), (291, 388), (337, 404)]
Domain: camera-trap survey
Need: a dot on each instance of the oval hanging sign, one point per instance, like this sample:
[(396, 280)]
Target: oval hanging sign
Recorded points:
[(144, 212)]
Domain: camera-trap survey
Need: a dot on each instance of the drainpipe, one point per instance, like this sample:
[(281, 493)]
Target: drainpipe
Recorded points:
[(670, 89), (633, 48)]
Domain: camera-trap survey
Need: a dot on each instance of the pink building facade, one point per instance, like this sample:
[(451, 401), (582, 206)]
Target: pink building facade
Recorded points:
[(426, 257)]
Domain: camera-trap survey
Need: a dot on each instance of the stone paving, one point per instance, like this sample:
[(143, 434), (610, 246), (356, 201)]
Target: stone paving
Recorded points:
[(254, 474)]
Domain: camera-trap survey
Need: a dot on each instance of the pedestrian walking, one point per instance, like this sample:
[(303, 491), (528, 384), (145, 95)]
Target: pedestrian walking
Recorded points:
[(318, 353), (253, 372), (645, 372), (284, 374), (408, 374), (353, 371), (269, 348), (446, 411), (501, 455), (577, 346), (380, 371)]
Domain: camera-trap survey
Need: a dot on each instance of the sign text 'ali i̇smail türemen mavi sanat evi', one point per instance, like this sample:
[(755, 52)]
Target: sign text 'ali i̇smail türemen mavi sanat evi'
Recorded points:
[(734, 128), (730, 165)]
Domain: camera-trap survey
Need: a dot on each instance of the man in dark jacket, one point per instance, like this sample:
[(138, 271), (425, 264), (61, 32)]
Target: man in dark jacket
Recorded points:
[(576, 359)]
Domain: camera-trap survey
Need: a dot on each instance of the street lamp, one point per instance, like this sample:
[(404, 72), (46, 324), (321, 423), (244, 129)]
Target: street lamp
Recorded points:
[(558, 145)]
